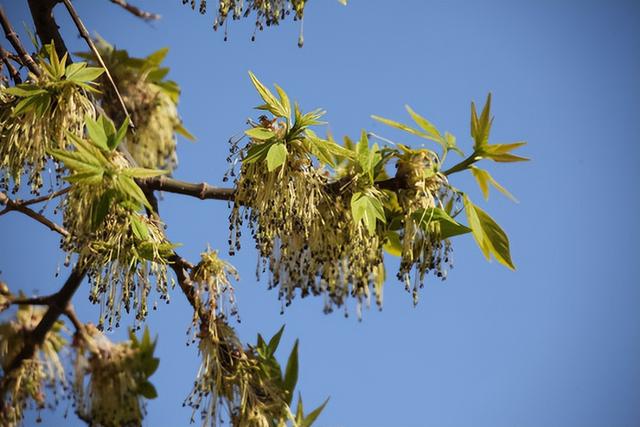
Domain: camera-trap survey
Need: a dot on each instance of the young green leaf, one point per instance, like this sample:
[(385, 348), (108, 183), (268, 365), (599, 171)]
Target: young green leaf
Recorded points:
[(291, 373), (367, 208), (484, 178), (128, 188), (143, 172), (147, 390), (115, 139), (436, 217), (181, 130), (101, 209), (491, 239), (97, 133), (272, 104), (140, 230), (313, 415), (275, 341), (431, 131), (257, 152), (276, 156), (260, 133)]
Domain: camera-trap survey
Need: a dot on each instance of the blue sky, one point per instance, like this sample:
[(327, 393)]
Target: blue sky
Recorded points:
[(555, 343)]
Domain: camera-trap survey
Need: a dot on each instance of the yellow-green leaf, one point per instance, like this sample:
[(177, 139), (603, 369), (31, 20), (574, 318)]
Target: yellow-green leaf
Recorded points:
[(260, 133), (276, 156), (491, 239)]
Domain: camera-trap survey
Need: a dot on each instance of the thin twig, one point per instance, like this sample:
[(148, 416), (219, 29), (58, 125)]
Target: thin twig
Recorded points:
[(85, 35), (14, 206), (41, 300), (147, 16), (15, 75), (46, 197), (12, 36), (70, 312)]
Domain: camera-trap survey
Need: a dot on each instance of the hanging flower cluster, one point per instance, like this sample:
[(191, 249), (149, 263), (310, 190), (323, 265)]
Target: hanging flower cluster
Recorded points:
[(151, 101), (214, 294), (125, 252), (111, 380), (249, 382), (34, 116), (321, 213), (268, 12), (24, 387)]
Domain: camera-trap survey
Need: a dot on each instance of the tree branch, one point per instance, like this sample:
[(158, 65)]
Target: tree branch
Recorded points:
[(41, 300), (46, 197), (12, 36), (15, 75), (87, 38), (15, 206), (201, 191), (58, 305), (46, 26), (147, 16)]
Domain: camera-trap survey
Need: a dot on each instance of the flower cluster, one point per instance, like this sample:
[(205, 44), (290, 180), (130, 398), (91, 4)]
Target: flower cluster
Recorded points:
[(124, 251), (151, 100), (321, 213), (268, 12), (24, 387), (35, 115), (111, 380)]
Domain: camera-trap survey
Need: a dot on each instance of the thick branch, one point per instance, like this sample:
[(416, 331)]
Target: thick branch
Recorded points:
[(147, 16), (41, 300), (15, 206), (46, 26), (201, 190), (57, 306), (12, 36)]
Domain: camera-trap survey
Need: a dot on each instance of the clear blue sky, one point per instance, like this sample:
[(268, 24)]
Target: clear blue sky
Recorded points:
[(557, 342)]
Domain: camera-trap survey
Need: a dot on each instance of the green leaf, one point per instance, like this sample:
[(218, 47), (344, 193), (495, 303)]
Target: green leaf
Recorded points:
[(115, 139), (432, 132), (151, 366), (272, 104), (291, 373), (97, 133), (275, 341), (86, 75), (484, 178), (491, 239), (276, 156), (143, 172), (127, 186), (158, 56), (260, 133), (101, 209), (86, 178), (140, 230), (436, 217), (24, 90), (507, 158), (76, 162), (284, 101), (480, 127), (313, 415), (181, 130), (367, 208), (257, 152), (502, 148), (147, 390), (393, 244), (399, 125)]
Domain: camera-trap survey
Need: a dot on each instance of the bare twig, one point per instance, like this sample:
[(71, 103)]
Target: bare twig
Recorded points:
[(58, 305), (70, 312), (46, 197), (15, 76), (12, 36), (41, 300), (147, 16), (14, 206), (87, 38)]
